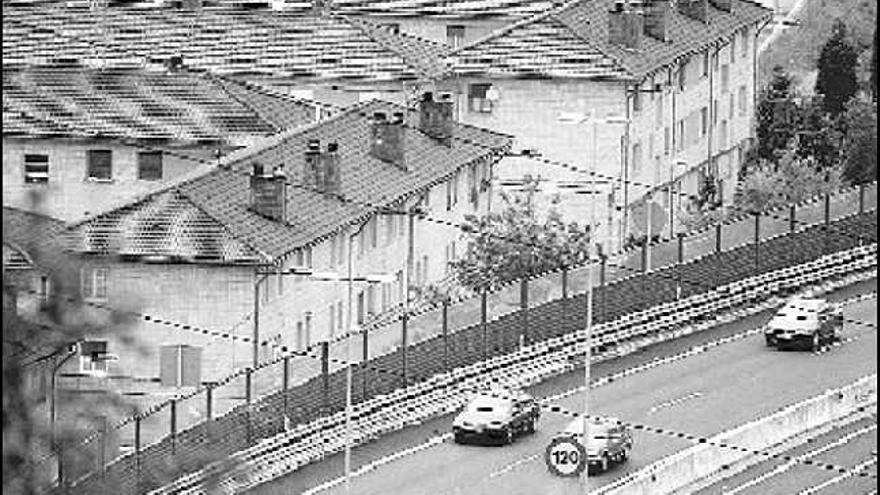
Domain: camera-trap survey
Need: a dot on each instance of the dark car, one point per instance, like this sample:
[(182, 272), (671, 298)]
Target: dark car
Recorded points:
[(805, 323), (497, 417)]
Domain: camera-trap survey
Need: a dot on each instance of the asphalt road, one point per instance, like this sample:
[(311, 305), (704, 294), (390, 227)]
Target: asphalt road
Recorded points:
[(703, 394), (847, 447)]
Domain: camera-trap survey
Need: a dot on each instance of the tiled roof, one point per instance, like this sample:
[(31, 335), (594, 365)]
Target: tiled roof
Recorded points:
[(40, 238), (366, 184), (15, 258), (452, 9), (572, 41), (221, 40), (134, 103)]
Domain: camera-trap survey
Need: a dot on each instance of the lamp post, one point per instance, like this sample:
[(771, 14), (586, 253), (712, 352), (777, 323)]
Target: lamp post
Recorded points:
[(72, 350)]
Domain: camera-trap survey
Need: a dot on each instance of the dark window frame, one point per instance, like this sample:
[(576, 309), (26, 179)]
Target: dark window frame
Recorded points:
[(147, 171), (93, 173), (37, 161)]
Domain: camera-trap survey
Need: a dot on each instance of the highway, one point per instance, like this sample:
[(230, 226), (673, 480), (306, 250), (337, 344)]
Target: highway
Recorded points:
[(703, 394), (850, 446)]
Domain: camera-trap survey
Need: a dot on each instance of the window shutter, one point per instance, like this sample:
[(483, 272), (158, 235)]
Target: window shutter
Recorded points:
[(100, 164)]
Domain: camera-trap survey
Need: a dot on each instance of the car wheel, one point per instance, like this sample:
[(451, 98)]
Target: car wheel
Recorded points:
[(508, 435), (457, 438), (817, 342), (530, 427), (604, 465)]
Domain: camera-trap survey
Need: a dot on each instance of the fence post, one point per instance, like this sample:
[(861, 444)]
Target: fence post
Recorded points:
[(718, 237), (365, 364), (792, 218), (680, 236), (248, 397), (483, 323), (325, 374), (757, 242), (603, 264), (173, 426), (524, 307), (209, 401), (285, 383), (564, 299), (103, 447), (861, 198), (137, 452), (645, 255), (404, 342), (445, 334)]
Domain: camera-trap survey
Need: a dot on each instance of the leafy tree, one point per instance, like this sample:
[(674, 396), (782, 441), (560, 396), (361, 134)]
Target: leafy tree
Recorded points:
[(819, 136), (792, 180), (518, 242), (837, 80), (859, 145), (777, 112)]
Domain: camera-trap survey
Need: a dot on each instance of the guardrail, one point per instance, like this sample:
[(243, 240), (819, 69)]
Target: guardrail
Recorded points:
[(448, 391), (678, 471)]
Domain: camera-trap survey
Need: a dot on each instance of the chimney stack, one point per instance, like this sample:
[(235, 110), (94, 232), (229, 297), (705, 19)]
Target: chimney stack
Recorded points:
[(657, 19), (388, 138), (314, 171), (269, 193), (725, 5), (321, 7), (436, 116), (695, 9), (625, 25), (330, 165)]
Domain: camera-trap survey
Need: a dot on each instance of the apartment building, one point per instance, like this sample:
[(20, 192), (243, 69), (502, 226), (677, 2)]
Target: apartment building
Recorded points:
[(375, 184), (78, 140), (677, 80)]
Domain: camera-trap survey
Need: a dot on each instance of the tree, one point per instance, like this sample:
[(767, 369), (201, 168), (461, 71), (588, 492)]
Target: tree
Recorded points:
[(777, 111), (859, 145), (837, 80), (519, 242), (819, 136), (792, 180), (874, 68)]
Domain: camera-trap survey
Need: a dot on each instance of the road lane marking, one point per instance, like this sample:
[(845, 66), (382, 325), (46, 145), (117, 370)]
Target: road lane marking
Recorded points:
[(675, 402), (366, 468), (793, 462), (515, 464), (837, 479)]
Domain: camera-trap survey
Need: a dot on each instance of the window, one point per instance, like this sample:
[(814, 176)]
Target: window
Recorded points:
[(426, 198), (94, 283), (743, 100), (667, 141), (341, 242), (389, 229), (730, 108), (149, 165), (308, 329), (637, 100), (449, 194), (682, 74), (418, 273), (705, 65), (93, 356), (361, 307), (100, 164), (745, 43), (704, 121), (733, 49), (332, 313), (680, 143), (658, 111), (478, 98), (425, 268), (304, 257), (455, 184), (374, 231), (636, 159), (36, 169), (333, 251), (362, 243), (455, 35), (339, 316), (300, 337), (725, 78), (400, 288), (723, 132)]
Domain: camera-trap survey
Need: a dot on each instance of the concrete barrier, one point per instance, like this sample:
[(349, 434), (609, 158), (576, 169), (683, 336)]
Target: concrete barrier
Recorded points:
[(679, 471)]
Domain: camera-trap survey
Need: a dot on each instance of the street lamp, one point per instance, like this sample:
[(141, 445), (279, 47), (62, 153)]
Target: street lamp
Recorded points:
[(72, 349)]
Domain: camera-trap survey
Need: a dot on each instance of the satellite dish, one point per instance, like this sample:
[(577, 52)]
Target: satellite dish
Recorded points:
[(640, 218)]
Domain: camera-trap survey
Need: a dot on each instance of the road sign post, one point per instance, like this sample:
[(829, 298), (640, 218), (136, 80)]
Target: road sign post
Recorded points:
[(566, 457)]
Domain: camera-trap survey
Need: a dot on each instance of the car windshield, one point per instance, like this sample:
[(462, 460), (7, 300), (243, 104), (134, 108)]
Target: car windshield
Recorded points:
[(484, 404)]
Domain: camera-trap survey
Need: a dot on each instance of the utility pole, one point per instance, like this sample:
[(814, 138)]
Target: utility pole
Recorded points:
[(589, 332)]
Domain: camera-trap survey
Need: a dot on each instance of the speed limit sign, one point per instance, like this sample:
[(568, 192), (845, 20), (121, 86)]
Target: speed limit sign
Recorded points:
[(566, 457)]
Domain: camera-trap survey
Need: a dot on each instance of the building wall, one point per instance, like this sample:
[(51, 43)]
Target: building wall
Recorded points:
[(435, 29), (69, 194)]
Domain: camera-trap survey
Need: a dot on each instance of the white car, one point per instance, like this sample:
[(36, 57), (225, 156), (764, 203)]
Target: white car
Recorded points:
[(610, 441), (812, 322)]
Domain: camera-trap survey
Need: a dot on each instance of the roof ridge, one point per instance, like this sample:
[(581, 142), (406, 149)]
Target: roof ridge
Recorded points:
[(597, 46), (510, 27)]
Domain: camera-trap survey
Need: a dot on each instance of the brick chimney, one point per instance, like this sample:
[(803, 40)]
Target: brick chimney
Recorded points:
[(314, 170), (269, 193), (388, 138), (625, 25), (330, 166), (725, 5), (658, 14), (436, 116), (695, 9)]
